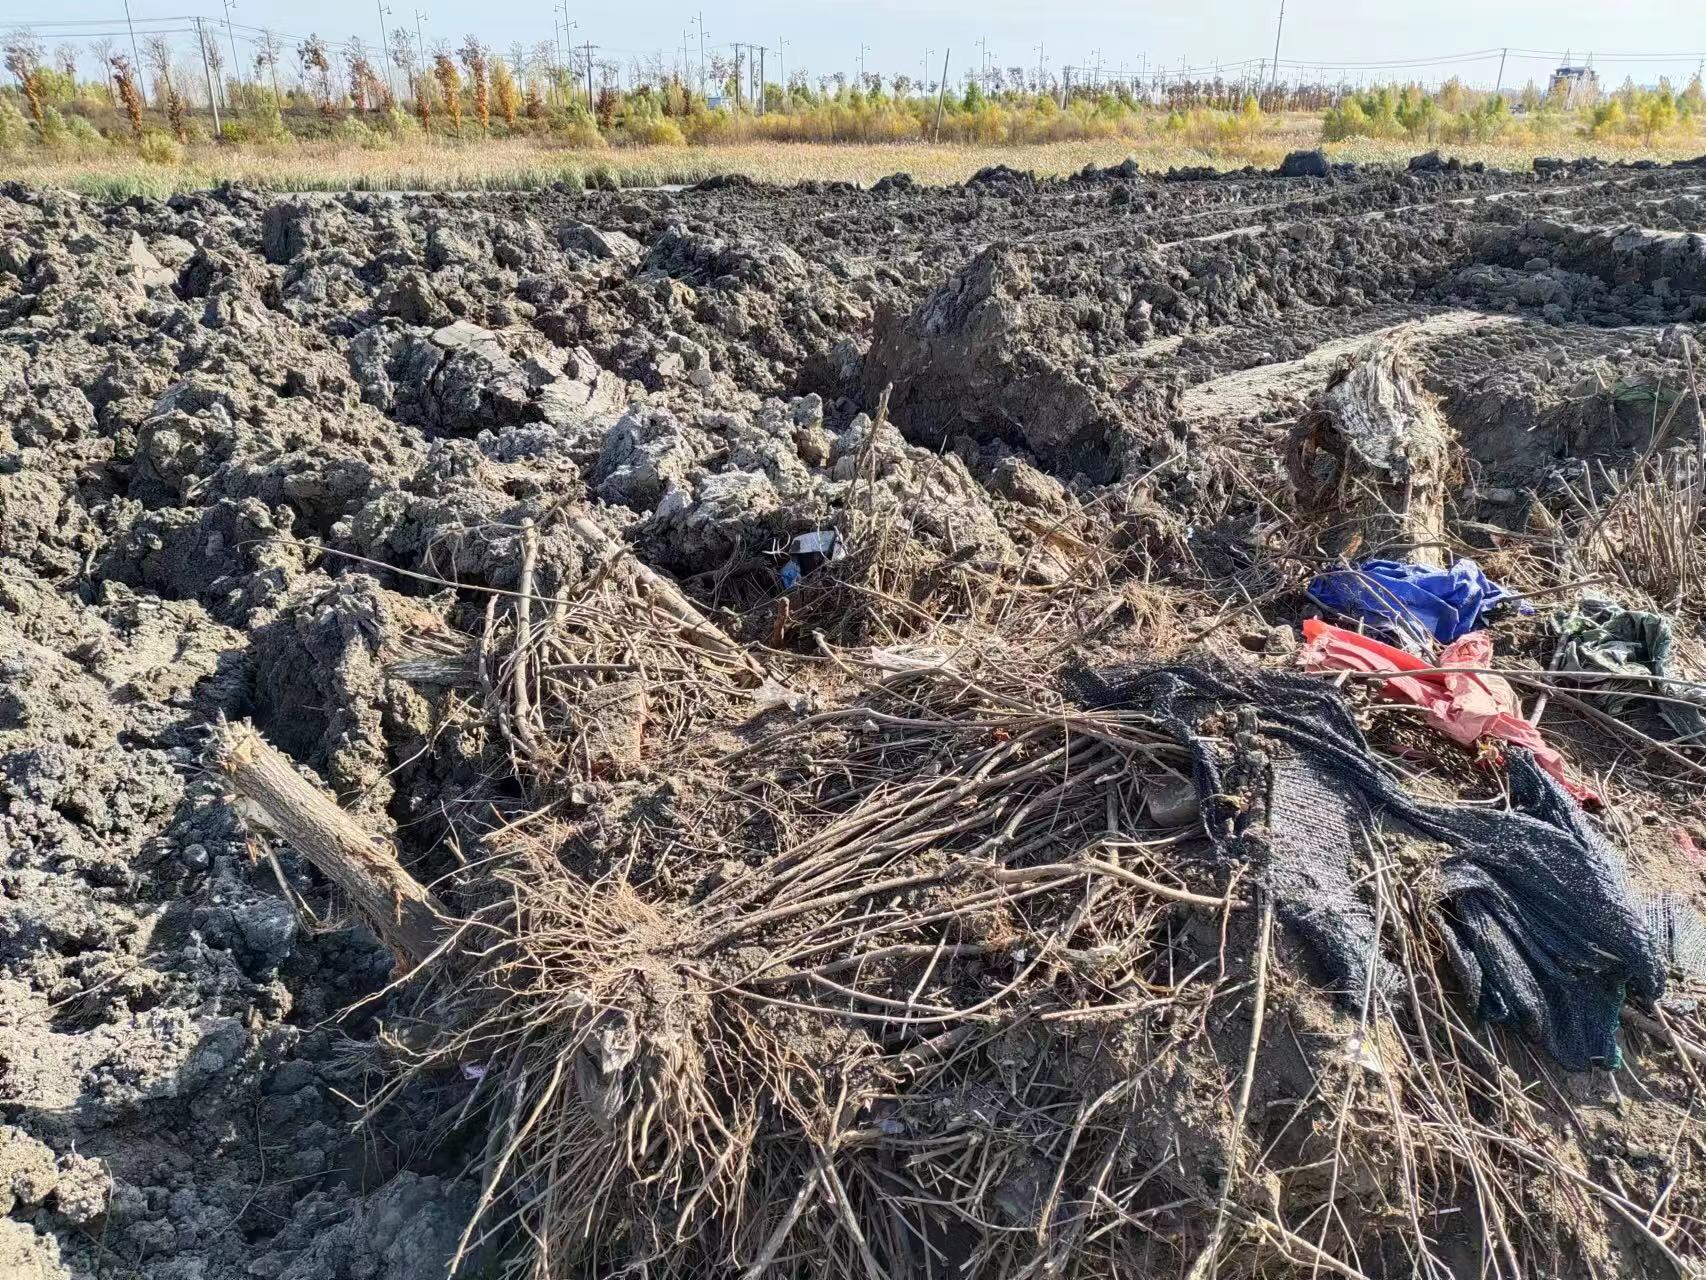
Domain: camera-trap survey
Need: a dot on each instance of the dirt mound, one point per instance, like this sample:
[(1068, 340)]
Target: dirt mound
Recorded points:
[(987, 356), (598, 541)]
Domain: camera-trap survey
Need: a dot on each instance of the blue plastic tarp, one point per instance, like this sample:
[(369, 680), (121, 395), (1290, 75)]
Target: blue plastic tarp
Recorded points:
[(1411, 600)]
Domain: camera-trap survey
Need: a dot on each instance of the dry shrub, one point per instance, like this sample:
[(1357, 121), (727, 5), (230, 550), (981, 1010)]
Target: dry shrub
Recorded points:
[(716, 1078), (923, 994), (160, 148), (1646, 527), (1650, 527)]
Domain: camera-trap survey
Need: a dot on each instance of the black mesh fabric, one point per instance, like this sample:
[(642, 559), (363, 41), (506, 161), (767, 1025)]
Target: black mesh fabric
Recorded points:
[(1540, 923)]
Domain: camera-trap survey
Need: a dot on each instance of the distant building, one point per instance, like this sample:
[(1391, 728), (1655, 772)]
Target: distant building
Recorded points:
[(1577, 86)]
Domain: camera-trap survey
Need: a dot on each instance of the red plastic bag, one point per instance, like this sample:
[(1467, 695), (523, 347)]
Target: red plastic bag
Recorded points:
[(1466, 706)]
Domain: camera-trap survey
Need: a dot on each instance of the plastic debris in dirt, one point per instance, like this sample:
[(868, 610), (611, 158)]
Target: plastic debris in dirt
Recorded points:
[(1468, 706), (1539, 921), (1605, 643), (1417, 603), (807, 552)]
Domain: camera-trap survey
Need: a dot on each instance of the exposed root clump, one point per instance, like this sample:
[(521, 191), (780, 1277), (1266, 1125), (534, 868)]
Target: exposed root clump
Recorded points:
[(955, 984)]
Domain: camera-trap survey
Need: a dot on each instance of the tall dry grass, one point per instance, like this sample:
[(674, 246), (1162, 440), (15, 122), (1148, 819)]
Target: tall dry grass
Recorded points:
[(417, 163)]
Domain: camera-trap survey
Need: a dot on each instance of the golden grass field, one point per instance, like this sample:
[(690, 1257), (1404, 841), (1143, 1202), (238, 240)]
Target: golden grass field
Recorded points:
[(519, 163)]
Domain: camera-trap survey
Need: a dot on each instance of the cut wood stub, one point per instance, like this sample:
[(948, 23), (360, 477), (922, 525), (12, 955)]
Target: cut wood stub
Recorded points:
[(271, 793), (1374, 455)]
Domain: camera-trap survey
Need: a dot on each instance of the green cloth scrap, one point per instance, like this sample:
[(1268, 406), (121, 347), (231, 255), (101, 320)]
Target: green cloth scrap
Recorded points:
[(1603, 640)]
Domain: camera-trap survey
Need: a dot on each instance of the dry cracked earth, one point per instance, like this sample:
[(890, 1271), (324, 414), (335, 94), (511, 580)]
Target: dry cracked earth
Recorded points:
[(228, 420)]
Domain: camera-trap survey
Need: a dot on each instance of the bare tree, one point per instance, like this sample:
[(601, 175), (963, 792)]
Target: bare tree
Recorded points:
[(543, 62), (402, 54), (157, 50), (65, 58), (313, 57), (102, 51), (268, 49)]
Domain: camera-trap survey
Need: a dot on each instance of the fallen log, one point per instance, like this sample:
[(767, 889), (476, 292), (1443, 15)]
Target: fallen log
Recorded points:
[(272, 794), (1375, 454)]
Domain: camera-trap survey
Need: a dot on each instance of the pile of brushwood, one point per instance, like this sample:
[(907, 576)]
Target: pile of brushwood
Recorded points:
[(907, 964)]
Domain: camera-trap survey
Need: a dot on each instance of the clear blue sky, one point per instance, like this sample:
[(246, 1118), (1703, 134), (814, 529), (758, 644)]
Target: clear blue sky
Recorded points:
[(824, 36)]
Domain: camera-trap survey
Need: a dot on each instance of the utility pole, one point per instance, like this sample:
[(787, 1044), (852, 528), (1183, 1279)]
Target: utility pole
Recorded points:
[(925, 83), (1279, 27), (420, 44), (701, 21), (736, 48), (562, 7), (782, 70), (1039, 67), (941, 95), (236, 66), (863, 50), (759, 99), (570, 41), (591, 100), (557, 49), (207, 71), (135, 56), (384, 48), (983, 66), (1501, 83)]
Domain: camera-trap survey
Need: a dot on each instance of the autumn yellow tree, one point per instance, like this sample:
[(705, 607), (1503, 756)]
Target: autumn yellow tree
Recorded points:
[(473, 55), (450, 85), (504, 90)]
